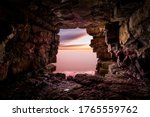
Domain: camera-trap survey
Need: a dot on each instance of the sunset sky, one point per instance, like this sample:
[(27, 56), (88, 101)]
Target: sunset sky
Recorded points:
[(74, 39), (74, 54)]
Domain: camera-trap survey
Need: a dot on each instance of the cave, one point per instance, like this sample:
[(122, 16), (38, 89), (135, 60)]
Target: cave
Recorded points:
[(29, 43)]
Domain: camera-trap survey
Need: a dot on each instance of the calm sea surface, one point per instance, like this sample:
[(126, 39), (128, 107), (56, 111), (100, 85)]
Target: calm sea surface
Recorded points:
[(72, 62)]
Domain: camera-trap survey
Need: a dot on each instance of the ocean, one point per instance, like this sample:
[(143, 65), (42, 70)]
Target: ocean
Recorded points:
[(73, 62)]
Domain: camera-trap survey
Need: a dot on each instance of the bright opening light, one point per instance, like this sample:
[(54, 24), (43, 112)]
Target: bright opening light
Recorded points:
[(73, 39), (74, 54)]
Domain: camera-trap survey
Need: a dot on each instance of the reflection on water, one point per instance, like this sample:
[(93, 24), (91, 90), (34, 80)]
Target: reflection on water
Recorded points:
[(72, 62)]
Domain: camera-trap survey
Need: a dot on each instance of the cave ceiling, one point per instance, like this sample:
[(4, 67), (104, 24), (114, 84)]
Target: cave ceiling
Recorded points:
[(72, 13)]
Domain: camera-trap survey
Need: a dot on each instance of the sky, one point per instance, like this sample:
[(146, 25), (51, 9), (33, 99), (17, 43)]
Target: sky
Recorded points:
[(75, 54), (74, 39)]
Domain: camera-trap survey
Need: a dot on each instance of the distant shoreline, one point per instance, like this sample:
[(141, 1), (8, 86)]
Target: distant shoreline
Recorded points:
[(73, 73)]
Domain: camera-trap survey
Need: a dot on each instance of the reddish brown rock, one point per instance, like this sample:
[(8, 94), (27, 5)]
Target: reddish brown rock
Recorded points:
[(4, 70), (38, 22)]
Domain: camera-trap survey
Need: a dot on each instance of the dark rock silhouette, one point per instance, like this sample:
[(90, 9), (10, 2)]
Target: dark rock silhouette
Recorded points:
[(82, 86), (29, 45)]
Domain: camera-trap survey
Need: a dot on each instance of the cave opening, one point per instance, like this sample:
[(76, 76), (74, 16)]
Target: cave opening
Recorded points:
[(74, 53), (30, 40)]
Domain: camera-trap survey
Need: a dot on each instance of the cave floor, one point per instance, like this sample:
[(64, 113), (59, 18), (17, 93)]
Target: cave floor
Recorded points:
[(48, 86)]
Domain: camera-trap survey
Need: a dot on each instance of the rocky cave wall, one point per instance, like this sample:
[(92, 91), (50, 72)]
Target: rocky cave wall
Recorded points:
[(28, 30), (136, 28), (27, 43), (100, 48), (32, 48), (134, 35), (135, 32), (130, 30)]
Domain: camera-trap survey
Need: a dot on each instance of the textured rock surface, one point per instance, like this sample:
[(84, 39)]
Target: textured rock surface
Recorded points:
[(82, 86), (139, 21), (37, 23), (30, 51), (135, 30), (134, 34), (29, 43), (124, 33), (99, 47)]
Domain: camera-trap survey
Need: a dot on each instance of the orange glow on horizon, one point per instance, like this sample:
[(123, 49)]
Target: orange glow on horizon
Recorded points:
[(75, 47)]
